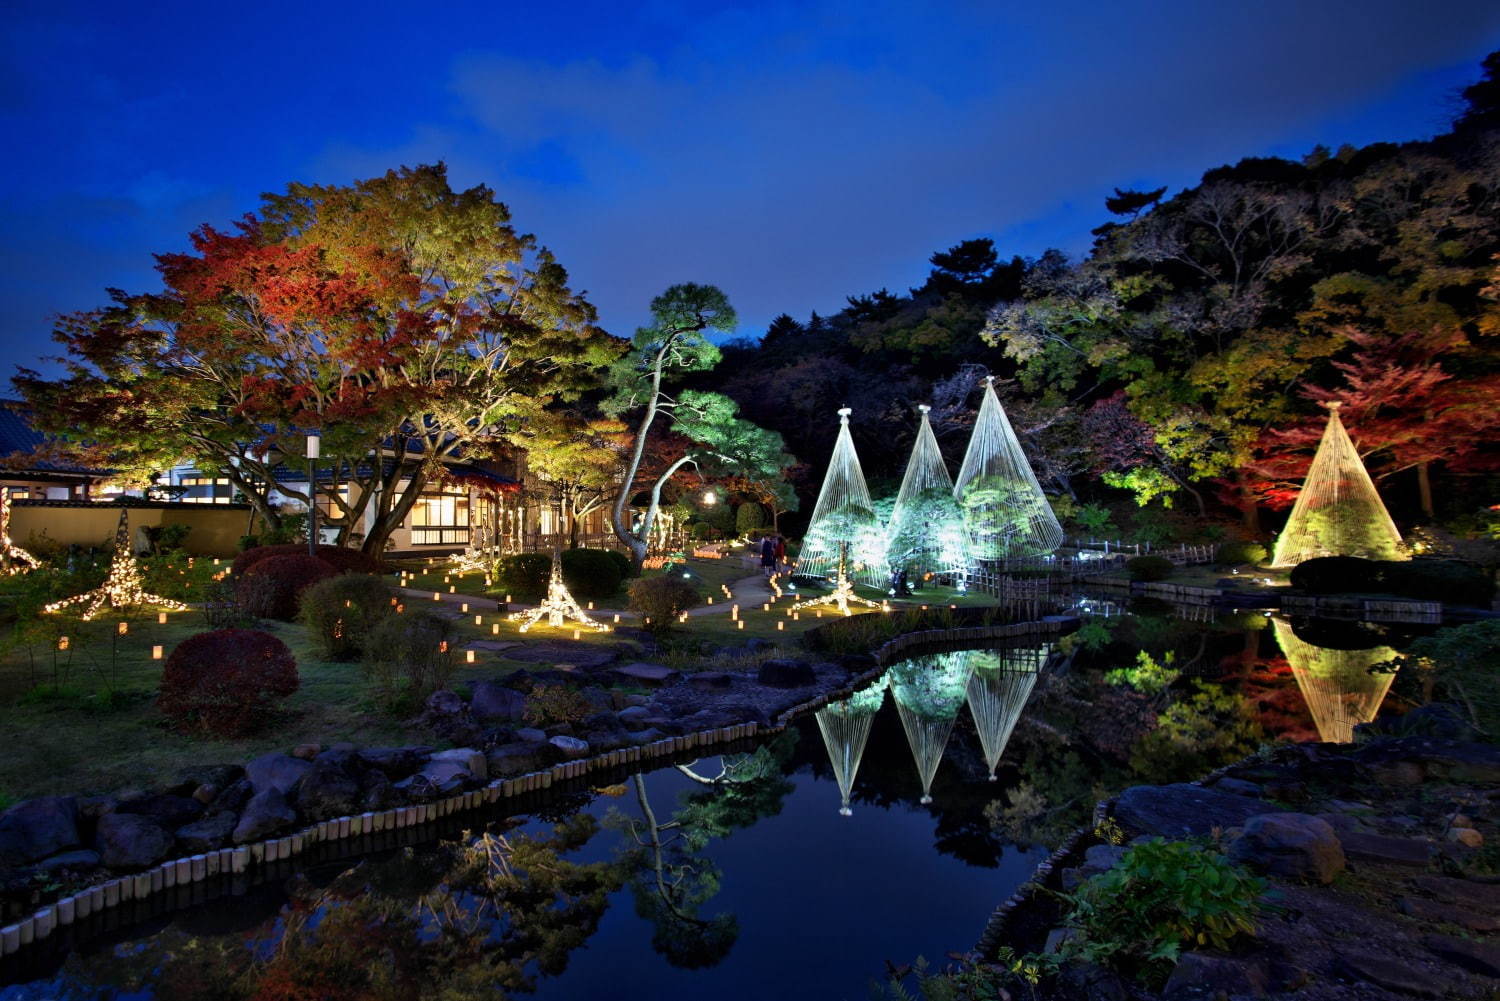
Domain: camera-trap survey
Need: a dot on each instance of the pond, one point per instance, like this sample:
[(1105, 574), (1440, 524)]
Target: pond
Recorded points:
[(889, 826)]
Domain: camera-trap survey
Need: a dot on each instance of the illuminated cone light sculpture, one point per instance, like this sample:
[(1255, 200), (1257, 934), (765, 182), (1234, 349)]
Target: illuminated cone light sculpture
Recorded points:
[(477, 556), (929, 691), (1004, 508), (558, 606), (1337, 685), (846, 729), (844, 538), (122, 587), (927, 533), (13, 559), (998, 690), (1338, 512)]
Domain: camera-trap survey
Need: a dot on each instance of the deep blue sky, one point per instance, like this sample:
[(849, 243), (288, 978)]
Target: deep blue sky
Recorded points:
[(790, 153)]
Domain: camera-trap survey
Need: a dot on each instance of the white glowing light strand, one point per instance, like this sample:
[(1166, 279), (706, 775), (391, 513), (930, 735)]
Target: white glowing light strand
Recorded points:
[(843, 527), (927, 532), (1338, 512), (13, 559), (122, 588), (1337, 685), (998, 689), (477, 557), (929, 691), (558, 606), (1004, 508), (845, 727), (842, 596)]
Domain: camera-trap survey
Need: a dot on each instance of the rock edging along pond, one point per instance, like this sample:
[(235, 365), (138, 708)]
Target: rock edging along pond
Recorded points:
[(446, 773)]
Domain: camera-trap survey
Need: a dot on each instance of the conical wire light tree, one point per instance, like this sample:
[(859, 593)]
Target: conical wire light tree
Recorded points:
[(998, 689), (122, 588), (844, 536), (845, 727), (927, 532), (929, 691), (1338, 512), (1337, 685), (1004, 508)]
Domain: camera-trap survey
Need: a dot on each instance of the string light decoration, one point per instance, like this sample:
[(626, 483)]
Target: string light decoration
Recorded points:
[(13, 559), (558, 606), (998, 689), (929, 691), (844, 531), (478, 557), (927, 532), (842, 596), (1003, 505), (845, 727), (1337, 685), (1338, 512), (122, 588)]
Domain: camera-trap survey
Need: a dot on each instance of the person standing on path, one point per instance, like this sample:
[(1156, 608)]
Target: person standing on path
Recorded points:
[(780, 553), (767, 556)]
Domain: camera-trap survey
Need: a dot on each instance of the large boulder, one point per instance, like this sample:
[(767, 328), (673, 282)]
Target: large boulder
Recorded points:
[(218, 776), (634, 717), (131, 841), (472, 761), (520, 757), (36, 828), (276, 771), (647, 675), (1290, 845), (437, 778), (266, 814), (395, 762), (571, 747), (1205, 974), (780, 672), (493, 702), (208, 834), (232, 799), (1182, 810), (330, 788), (168, 811)]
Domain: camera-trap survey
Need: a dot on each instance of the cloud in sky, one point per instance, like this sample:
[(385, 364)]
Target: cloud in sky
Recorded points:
[(790, 153)]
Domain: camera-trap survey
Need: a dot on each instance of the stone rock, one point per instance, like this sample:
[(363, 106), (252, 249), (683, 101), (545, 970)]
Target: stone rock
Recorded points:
[(650, 675), (1057, 938), (1342, 823), (1290, 845), (492, 702), (633, 717), (206, 793), (36, 828), (571, 747), (437, 778), (1383, 971), (1204, 974), (532, 735), (375, 791), (94, 807), (1466, 836), (1382, 850), (445, 703), (1460, 892), (208, 834), (1432, 910), (1436, 719), (167, 810), (1477, 957), (276, 771), (781, 672), (472, 760), (584, 656), (448, 716), (711, 681), (1086, 980), (330, 788), (77, 860), (519, 758), (646, 736), (232, 799), (395, 762), (1178, 810), (131, 841), (1101, 858), (221, 776), (1238, 787), (1455, 761), (266, 813), (307, 751)]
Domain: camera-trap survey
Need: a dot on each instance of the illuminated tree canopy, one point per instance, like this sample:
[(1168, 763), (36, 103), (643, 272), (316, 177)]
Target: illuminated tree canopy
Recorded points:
[(845, 726), (929, 691), (927, 533), (1337, 685), (844, 529), (1004, 507)]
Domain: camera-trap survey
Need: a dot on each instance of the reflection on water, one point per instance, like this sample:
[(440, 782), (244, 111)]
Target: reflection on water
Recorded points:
[(928, 692), (1338, 686)]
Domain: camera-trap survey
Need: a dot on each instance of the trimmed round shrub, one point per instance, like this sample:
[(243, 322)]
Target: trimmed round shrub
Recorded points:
[(590, 573), (270, 589), (703, 531), (226, 682), (622, 562), (659, 600), (341, 612), (408, 656), (341, 558), (1148, 568), (1337, 574), (1234, 553), (524, 573)]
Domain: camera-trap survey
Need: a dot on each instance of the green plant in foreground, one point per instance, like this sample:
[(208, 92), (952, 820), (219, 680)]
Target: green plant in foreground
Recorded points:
[(1161, 898)]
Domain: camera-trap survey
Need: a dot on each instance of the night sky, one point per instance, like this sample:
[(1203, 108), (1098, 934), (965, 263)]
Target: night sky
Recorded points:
[(790, 153)]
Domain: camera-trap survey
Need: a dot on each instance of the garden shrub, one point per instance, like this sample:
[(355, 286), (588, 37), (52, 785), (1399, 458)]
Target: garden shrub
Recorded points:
[(702, 531), (164, 539), (341, 612), (1148, 568), (551, 704), (1463, 660), (1162, 897), (748, 517), (1336, 574), (1427, 580), (408, 656), (590, 573), (659, 600), (221, 608), (1234, 553), (524, 573), (225, 682), (622, 563), (341, 558), (271, 588)]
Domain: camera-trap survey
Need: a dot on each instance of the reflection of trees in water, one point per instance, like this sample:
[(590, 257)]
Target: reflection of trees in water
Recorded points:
[(1338, 686), (670, 877)]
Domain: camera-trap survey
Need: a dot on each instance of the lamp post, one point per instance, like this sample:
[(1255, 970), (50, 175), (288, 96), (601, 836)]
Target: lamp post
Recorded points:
[(312, 495)]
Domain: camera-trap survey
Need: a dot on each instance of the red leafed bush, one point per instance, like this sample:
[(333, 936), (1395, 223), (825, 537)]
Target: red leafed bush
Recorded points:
[(224, 682), (272, 588), (341, 559)]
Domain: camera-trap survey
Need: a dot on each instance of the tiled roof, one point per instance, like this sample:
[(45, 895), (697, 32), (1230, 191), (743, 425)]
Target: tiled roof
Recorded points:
[(18, 439)]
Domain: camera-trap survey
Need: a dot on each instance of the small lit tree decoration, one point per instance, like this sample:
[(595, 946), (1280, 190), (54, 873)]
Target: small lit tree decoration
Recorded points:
[(558, 606), (845, 726), (842, 594), (122, 588), (844, 531), (1006, 512), (479, 556), (1338, 512), (1338, 686), (13, 559)]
